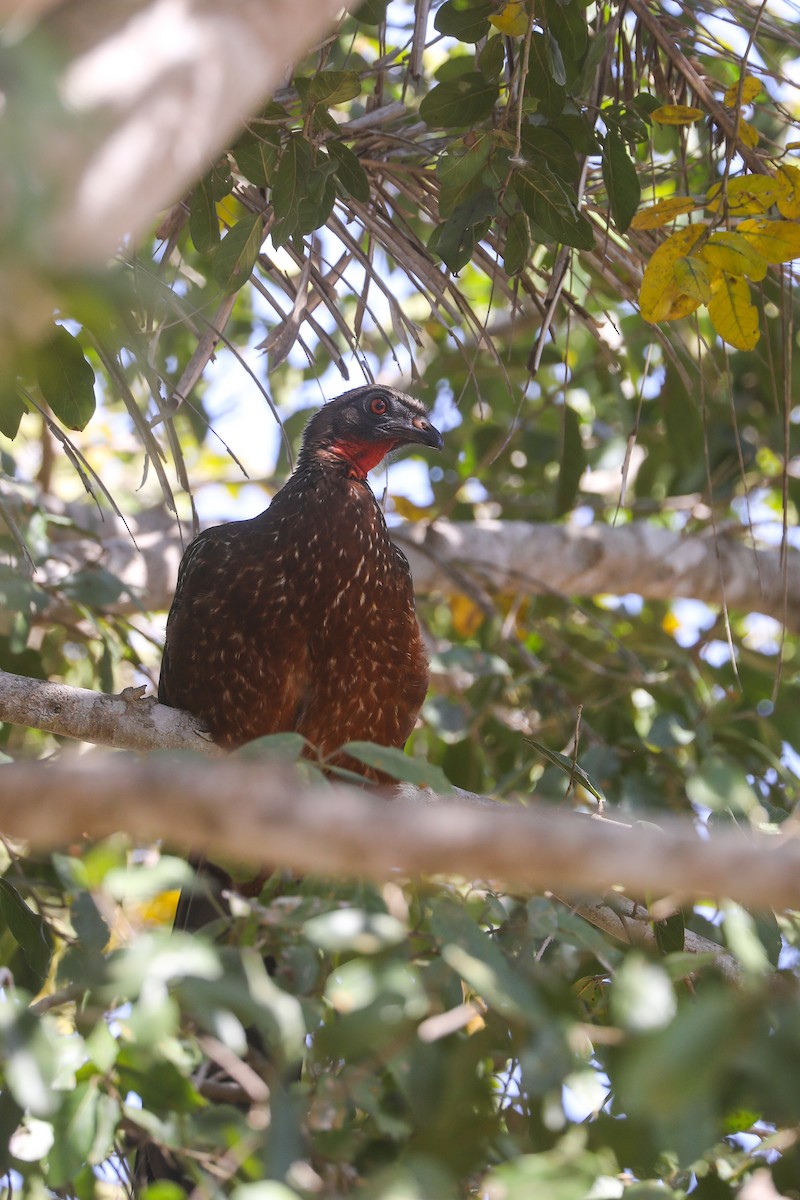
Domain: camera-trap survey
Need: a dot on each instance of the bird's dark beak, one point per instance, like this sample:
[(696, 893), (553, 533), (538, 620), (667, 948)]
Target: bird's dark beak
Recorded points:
[(421, 431)]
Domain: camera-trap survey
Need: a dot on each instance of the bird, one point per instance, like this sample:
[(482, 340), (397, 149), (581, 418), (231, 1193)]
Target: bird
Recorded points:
[(303, 618), (300, 619)]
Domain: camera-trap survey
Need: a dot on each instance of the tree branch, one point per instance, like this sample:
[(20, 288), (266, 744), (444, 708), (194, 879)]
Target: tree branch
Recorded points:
[(498, 556), (150, 93), (128, 721), (337, 830)]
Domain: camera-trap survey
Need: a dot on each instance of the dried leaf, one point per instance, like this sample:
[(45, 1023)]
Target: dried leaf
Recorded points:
[(788, 201), (733, 314), (775, 241), (662, 212), (750, 89), (745, 194), (660, 298), (734, 253), (695, 277), (676, 114), (512, 20)]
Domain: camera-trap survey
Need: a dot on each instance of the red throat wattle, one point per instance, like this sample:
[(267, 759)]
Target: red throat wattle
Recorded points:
[(362, 455)]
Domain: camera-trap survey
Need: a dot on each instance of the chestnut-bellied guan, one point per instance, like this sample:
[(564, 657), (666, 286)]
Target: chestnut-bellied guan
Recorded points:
[(302, 618)]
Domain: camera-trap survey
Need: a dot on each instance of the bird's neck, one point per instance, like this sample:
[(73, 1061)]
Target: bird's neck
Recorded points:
[(357, 457)]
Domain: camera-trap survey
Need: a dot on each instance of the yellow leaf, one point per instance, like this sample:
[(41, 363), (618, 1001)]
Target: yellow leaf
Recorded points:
[(745, 194), (467, 617), (789, 199), (695, 277), (793, 145), (670, 624), (736, 254), (748, 134), (512, 20), (732, 314), (676, 114), (660, 298), (775, 241), (750, 89), (662, 212), (408, 510), (161, 909)]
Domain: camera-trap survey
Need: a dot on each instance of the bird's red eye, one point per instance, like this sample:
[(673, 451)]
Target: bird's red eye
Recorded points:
[(378, 406)]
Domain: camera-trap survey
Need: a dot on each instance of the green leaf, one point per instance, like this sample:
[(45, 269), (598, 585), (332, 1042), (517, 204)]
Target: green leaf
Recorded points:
[(12, 408), (670, 934), (567, 24), (621, 180), (294, 170), (455, 241), (236, 254), (569, 768), (354, 930), (544, 141), (473, 955), (371, 12), (288, 746), (541, 80), (465, 20), (459, 170), (203, 218), (256, 156), (459, 102), (29, 930), (329, 87), (349, 171), (548, 204), (398, 765), (573, 461), (65, 379), (517, 248)]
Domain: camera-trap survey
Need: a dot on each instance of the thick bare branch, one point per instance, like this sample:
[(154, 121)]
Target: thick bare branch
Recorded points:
[(339, 830), (500, 556)]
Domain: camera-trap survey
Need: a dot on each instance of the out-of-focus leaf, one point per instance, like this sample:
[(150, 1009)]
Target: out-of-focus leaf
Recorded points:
[(395, 763), (355, 930), (512, 19), (465, 21), (570, 768), (472, 954), (236, 254), (29, 930), (573, 461), (744, 91), (621, 180), (676, 114), (65, 378), (517, 245), (567, 24)]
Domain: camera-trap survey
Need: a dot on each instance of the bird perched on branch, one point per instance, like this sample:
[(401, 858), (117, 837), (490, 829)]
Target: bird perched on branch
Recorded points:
[(303, 617)]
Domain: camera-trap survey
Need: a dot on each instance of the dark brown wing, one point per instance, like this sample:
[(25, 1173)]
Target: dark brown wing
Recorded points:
[(234, 655)]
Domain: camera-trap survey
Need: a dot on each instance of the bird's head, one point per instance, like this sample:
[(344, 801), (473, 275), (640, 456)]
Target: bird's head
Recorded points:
[(364, 425)]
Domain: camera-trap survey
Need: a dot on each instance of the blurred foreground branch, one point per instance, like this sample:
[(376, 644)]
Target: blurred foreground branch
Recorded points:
[(257, 812)]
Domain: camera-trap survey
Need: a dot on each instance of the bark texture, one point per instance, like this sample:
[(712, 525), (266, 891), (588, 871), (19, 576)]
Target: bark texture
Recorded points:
[(486, 557), (280, 819)]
